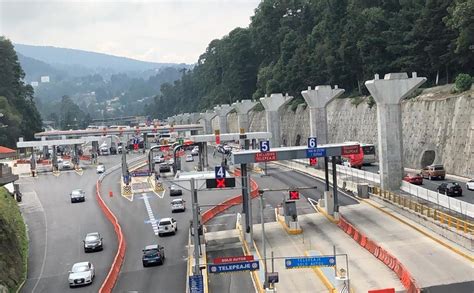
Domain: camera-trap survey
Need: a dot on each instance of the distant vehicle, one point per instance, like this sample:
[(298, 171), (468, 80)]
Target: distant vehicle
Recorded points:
[(450, 189), (189, 158), (100, 168), (113, 150), (153, 255), (354, 160), (167, 226), (104, 151), (177, 205), (470, 184), (159, 159), (175, 191), (119, 149), (67, 165), (77, 195), (93, 242), (227, 148), (165, 168), (82, 273), (369, 153), (433, 171), (195, 151), (223, 150), (413, 178)]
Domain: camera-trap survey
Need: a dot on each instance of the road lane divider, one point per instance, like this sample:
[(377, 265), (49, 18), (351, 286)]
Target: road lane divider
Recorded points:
[(149, 211)]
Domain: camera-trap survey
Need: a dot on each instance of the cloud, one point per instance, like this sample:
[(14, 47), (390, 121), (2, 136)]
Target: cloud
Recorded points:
[(161, 31)]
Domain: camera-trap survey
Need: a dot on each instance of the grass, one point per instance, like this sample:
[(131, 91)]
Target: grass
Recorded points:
[(13, 243)]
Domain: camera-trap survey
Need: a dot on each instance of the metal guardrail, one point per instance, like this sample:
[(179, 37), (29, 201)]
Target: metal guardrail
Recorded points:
[(441, 217)]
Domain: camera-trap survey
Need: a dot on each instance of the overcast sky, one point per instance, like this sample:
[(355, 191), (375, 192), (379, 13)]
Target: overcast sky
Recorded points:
[(152, 30)]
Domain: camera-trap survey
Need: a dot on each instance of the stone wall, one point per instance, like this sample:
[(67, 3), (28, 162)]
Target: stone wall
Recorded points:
[(434, 121)]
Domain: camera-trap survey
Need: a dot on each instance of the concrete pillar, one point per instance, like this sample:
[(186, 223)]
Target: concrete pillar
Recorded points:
[(388, 93), (222, 112), (95, 151), (185, 118), (272, 105), (178, 119), (171, 120), (194, 118), (207, 118), (243, 107), (45, 152), (75, 157), (317, 100)]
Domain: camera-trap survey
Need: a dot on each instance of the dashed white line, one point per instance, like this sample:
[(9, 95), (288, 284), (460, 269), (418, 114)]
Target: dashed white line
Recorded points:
[(150, 213)]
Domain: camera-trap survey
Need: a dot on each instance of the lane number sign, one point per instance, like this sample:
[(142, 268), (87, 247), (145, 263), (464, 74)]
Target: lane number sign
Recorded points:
[(312, 142), (219, 171), (265, 146)]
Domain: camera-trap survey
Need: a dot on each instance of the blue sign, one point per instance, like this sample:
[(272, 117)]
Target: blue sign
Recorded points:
[(234, 267), (313, 261), (196, 284), (140, 173), (311, 153), (219, 171), (312, 142), (264, 146)]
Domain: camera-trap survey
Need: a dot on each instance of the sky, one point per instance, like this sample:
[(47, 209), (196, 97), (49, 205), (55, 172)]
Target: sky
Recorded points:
[(175, 31)]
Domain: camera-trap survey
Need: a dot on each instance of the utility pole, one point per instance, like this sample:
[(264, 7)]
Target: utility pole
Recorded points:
[(265, 285), (197, 270)]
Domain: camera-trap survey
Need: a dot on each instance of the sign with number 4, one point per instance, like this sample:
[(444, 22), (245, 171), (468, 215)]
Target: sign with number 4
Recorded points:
[(220, 171)]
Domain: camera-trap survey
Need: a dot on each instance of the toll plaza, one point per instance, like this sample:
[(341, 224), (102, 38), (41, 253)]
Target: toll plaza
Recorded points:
[(311, 151)]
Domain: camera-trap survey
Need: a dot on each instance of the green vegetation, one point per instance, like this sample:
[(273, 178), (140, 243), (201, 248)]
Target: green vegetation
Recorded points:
[(13, 243), (292, 44), (463, 82), (20, 116)]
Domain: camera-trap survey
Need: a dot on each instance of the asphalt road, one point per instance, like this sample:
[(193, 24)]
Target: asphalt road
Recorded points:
[(134, 218), (56, 229), (467, 195)]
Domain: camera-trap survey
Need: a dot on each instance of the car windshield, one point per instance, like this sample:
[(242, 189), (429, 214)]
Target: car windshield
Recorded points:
[(91, 238), (76, 192), (151, 252), (438, 168), (177, 202), (80, 268), (165, 223)]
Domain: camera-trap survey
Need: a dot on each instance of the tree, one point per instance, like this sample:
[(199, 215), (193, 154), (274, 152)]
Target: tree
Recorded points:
[(21, 115)]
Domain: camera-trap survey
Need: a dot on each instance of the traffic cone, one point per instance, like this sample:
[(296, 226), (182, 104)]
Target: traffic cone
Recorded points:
[(111, 193)]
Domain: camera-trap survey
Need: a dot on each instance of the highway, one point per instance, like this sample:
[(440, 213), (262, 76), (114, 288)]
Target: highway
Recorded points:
[(56, 229), (467, 195), (133, 217)]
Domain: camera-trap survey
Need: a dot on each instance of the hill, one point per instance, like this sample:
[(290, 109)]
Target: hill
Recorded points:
[(62, 57)]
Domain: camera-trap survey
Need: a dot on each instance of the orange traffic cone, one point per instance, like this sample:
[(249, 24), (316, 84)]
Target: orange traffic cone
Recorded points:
[(111, 193)]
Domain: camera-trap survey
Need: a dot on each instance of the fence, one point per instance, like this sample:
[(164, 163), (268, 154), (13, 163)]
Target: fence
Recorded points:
[(444, 218)]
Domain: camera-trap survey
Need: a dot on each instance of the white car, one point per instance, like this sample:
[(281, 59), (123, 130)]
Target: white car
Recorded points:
[(67, 165), (195, 151), (82, 273), (104, 151), (159, 159), (177, 205), (166, 226), (470, 184), (100, 168), (189, 158)]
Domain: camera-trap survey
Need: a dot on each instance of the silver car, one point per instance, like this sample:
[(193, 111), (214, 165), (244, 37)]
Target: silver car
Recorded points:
[(177, 205), (78, 195), (82, 273)]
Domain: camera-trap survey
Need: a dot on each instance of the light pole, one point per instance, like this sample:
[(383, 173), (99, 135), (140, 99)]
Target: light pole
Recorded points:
[(262, 222)]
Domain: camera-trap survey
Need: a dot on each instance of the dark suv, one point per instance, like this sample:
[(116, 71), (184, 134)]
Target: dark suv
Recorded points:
[(450, 189), (153, 255)]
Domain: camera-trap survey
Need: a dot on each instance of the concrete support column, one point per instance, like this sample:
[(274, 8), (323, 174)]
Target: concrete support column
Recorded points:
[(272, 105), (45, 152), (222, 111), (75, 158), (194, 118), (171, 120), (178, 119), (207, 118), (185, 118), (317, 100), (388, 93), (54, 159), (95, 151), (243, 108)]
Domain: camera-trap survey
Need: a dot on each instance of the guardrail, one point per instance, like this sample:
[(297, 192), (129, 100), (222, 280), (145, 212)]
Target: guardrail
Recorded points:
[(452, 204), (114, 271), (444, 218)]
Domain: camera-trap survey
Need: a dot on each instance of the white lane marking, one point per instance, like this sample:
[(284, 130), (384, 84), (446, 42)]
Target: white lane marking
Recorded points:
[(45, 244), (150, 213)]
